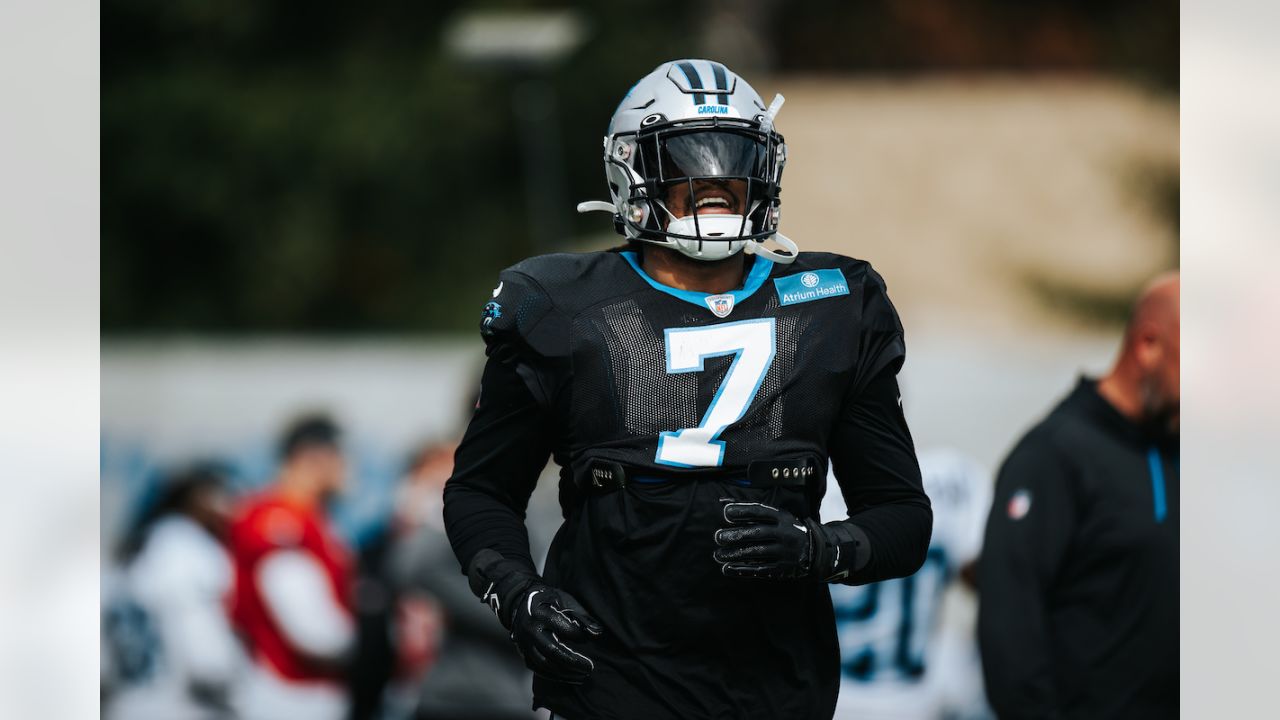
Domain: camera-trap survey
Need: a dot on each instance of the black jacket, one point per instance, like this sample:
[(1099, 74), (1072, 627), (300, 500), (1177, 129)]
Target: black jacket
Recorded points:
[(1078, 582)]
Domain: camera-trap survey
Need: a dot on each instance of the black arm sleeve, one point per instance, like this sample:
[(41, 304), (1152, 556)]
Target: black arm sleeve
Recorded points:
[(875, 463), (1028, 533), (496, 467)]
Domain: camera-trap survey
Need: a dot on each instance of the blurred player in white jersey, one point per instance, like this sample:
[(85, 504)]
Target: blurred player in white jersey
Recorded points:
[(168, 638), (896, 658)]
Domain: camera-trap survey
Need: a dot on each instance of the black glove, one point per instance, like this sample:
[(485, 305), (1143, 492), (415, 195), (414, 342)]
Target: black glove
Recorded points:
[(761, 541), (540, 617)]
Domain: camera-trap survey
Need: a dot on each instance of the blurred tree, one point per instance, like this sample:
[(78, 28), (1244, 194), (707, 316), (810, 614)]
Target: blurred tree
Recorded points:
[(320, 166), (1134, 38), (326, 167)]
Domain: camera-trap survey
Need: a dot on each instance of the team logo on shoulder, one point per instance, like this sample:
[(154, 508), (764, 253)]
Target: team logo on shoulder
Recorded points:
[(721, 305), (1019, 504), (492, 311)]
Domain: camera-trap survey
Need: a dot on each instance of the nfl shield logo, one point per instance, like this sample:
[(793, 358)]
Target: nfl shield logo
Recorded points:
[(721, 305), (1019, 504)]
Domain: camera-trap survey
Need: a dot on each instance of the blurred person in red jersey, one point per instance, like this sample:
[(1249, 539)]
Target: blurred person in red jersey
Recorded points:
[(166, 632), (398, 627), (292, 600), (1078, 581)]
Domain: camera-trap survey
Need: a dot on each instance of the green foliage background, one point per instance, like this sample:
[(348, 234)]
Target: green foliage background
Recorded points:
[(327, 167)]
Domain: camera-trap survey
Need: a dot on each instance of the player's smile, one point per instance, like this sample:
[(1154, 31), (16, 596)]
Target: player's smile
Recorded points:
[(714, 197)]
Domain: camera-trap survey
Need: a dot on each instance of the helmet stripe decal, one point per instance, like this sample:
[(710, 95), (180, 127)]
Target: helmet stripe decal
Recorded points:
[(722, 82), (695, 82)]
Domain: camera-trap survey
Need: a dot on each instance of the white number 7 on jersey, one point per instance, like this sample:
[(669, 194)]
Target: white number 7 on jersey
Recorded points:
[(752, 344)]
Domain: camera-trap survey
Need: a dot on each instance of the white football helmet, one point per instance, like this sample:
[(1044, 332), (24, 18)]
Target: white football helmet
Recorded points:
[(693, 163)]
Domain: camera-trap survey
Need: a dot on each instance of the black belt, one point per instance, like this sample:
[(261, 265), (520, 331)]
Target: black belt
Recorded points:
[(604, 476)]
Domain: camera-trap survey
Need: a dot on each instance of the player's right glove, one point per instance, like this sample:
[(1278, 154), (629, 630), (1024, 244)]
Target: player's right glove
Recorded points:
[(541, 618)]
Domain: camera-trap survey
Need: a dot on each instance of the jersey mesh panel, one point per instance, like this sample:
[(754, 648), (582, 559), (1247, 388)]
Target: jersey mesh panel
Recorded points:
[(651, 399), (532, 307)]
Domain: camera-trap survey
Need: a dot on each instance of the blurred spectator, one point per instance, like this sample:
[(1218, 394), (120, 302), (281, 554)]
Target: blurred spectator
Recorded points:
[(398, 629), (474, 675), (1078, 613), (293, 584), (890, 631), (167, 636)]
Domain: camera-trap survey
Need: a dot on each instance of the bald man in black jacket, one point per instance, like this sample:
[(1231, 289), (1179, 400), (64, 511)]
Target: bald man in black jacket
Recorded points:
[(1078, 581)]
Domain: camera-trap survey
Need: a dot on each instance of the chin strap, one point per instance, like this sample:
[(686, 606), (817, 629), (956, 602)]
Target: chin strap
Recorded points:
[(783, 258), (790, 247), (596, 206)]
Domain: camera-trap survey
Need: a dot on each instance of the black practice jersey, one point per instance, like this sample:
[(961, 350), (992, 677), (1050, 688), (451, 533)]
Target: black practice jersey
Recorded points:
[(593, 361)]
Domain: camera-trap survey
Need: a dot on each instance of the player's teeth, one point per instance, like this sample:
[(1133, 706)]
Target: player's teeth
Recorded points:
[(708, 201)]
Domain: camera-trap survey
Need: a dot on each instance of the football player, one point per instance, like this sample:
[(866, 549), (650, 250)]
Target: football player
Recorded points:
[(166, 628), (692, 387), (893, 648), (291, 599)]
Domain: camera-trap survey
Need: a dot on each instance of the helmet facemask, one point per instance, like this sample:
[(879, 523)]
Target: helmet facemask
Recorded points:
[(693, 163), (704, 187)]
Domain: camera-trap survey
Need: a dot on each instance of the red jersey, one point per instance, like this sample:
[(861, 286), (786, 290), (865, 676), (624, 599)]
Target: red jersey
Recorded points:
[(267, 523)]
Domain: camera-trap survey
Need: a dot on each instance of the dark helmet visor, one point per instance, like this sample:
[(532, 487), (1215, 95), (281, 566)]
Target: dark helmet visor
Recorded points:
[(706, 153)]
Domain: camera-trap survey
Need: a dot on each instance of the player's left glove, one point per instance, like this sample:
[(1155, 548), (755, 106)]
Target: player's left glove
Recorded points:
[(761, 541)]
